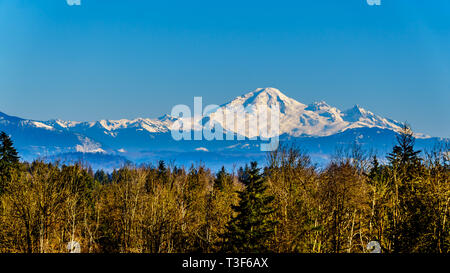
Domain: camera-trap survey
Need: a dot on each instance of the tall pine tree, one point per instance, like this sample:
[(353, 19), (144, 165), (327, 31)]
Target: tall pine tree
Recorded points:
[(403, 156), (9, 159), (409, 223), (8, 154), (250, 229), (222, 180)]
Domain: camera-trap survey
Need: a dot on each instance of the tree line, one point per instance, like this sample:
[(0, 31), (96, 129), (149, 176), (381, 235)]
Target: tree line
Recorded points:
[(289, 206)]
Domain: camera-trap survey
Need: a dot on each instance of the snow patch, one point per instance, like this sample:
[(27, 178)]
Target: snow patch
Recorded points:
[(42, 125), (88, 146)]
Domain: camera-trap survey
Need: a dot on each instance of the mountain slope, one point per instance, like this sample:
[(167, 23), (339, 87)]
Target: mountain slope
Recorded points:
[(37, 139)]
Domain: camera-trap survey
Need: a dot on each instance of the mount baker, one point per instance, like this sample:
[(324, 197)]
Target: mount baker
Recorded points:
[(318, 128)]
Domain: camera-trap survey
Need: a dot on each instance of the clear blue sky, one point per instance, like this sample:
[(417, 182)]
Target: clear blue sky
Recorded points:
[(126, 59)]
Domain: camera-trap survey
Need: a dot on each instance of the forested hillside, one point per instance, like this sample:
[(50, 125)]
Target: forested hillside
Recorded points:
[(290, 205)]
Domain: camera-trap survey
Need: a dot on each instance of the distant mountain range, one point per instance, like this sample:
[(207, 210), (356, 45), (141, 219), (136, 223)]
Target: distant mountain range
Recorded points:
[(318, 128)]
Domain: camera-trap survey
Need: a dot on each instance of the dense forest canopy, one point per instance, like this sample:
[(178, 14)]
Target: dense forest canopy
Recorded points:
[(288, 206)]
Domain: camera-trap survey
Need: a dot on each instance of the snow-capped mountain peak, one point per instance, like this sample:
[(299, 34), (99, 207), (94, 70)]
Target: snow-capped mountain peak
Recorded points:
[(359, 117), (318, 125), (317, 106), (355, 113), (249, 107), (296, 118), (265, 97)]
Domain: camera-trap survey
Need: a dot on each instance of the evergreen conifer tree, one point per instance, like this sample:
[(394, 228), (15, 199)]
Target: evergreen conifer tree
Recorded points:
[(163, 172), (250, 229), (9, 159), (8, 154), (409, 218), (222, 179), (403, 156)]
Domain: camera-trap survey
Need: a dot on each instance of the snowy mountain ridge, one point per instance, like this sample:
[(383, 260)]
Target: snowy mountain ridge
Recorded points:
[(317, 127), (296, 119)]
